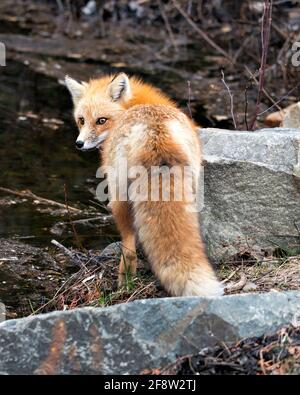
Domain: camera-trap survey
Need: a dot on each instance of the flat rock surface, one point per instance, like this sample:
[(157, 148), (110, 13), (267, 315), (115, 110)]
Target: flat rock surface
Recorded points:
[(274, 148), (129, 338)]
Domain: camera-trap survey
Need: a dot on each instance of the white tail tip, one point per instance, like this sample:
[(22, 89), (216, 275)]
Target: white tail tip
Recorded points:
[(208, 287)]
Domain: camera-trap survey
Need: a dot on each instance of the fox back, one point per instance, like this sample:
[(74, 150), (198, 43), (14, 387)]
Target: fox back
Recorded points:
[(158, 145)]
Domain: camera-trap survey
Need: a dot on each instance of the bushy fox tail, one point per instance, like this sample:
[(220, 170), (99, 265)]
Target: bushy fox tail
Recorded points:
[(171, 238)]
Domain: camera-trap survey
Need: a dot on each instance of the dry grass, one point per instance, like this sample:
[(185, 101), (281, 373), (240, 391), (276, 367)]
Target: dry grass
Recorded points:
[(279, 274), (95, 283)]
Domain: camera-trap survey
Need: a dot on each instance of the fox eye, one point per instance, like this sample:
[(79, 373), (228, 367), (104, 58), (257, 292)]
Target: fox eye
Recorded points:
[(81, 120), (101, 121)]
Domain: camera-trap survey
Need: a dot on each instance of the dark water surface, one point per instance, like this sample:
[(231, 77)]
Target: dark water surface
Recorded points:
[(39, 155), (36, 156)]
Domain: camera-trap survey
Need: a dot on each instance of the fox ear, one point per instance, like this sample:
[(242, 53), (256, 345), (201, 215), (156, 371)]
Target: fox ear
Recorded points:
[(119, 88), (76, 89)]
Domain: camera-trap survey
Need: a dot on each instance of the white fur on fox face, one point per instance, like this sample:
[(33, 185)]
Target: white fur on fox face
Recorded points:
[(91, 143)]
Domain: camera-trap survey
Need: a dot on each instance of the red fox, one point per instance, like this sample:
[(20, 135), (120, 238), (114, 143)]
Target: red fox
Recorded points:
[(135, 122)]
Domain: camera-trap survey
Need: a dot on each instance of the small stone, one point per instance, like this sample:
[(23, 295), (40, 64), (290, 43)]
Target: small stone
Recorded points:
[(112, 250), (250, 287)]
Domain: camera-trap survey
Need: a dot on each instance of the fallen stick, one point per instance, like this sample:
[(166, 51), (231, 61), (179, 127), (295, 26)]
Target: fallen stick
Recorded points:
[(69, 253), (76, 259), (30, 195), (233, 287), (63, 248), (104, 218), (230, 276)]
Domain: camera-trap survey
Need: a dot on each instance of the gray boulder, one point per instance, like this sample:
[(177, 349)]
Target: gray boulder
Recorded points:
[(252, 191), (129, 338)]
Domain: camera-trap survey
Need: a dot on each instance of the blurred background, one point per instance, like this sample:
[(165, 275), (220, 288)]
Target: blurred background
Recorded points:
[(205, 54)]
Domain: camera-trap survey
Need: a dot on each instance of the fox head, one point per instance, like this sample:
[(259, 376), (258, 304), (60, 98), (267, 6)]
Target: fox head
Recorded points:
[(97, 106)]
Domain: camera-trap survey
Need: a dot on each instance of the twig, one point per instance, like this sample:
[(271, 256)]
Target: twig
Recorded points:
[(139, 291), (264, 90), (280, 100), (60, 6), (238, 285), (201, 32), (55, 296), (104, 218), (75, 258), (63, 248), (230, 276), (167, 23), (69, 253), (189, 99), (29, 194), (246, 105), (173, 365), (231, 99), (265, 38), (240, 50), (78, 242)]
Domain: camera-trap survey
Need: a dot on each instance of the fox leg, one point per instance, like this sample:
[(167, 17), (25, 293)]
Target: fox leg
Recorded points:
[(124, 222)]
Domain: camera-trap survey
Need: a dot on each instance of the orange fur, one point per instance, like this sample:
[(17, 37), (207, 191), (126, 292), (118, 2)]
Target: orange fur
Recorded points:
[(152, 133), (168, 232), (142, 93)]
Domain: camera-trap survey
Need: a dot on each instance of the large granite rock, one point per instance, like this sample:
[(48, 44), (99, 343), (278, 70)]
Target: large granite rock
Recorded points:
[(252, 191), (131, 337)]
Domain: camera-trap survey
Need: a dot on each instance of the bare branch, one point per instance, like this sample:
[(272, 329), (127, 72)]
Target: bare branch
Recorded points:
[(201, 32), (30, 195), (265, 38), (231, 99), (167, 23)]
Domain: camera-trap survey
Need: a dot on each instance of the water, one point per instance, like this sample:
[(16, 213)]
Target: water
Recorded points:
[(35, 156)]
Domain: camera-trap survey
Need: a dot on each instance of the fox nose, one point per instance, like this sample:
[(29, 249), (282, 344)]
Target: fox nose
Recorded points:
[(79, 144)]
